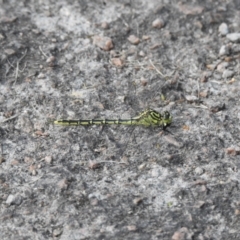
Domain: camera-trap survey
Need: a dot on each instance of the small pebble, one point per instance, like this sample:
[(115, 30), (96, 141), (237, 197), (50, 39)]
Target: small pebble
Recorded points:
[(14, 162), (131, 58), (69, 56), (142, 166), (28, 160), (7, 19), (65, 11), (57, 232), (199, 204), (32, 170), (141, 54), (234, 37), (223, 29), (191, 98), (145, 37), (133, 39), (222, 66), (63, 184), (104, 25), (137, 201), (94, 201), (224, 50), (94, 165), (41, 76), (227, 73), (9, 51), (203, 94), (158, 23), (172, 141), (48, 159), (10, 199), (180, 234), (14, 199), (105, 43), (118, 62), (132, 228), (232, 151), (211, 66), (50, 59), (190, 9), (237, 211)]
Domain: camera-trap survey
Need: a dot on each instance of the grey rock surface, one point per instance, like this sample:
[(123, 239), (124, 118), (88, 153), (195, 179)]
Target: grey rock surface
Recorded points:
[(74, 60)]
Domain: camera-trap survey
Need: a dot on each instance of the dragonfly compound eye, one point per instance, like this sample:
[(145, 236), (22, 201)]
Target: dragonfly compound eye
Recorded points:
[(166, 115)]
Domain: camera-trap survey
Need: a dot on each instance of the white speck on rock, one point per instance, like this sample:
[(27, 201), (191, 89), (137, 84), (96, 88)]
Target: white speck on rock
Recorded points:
[(223, 29), (199, 171), (155, 172)]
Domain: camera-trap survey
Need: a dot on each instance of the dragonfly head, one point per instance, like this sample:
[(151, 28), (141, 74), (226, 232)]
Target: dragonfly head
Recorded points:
[(166, 119)]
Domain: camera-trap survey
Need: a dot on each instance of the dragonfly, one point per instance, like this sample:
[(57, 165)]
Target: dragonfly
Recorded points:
[(147, 118)]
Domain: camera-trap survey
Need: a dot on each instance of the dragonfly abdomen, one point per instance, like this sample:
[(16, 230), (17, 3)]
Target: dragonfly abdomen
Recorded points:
[(95, 122)]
